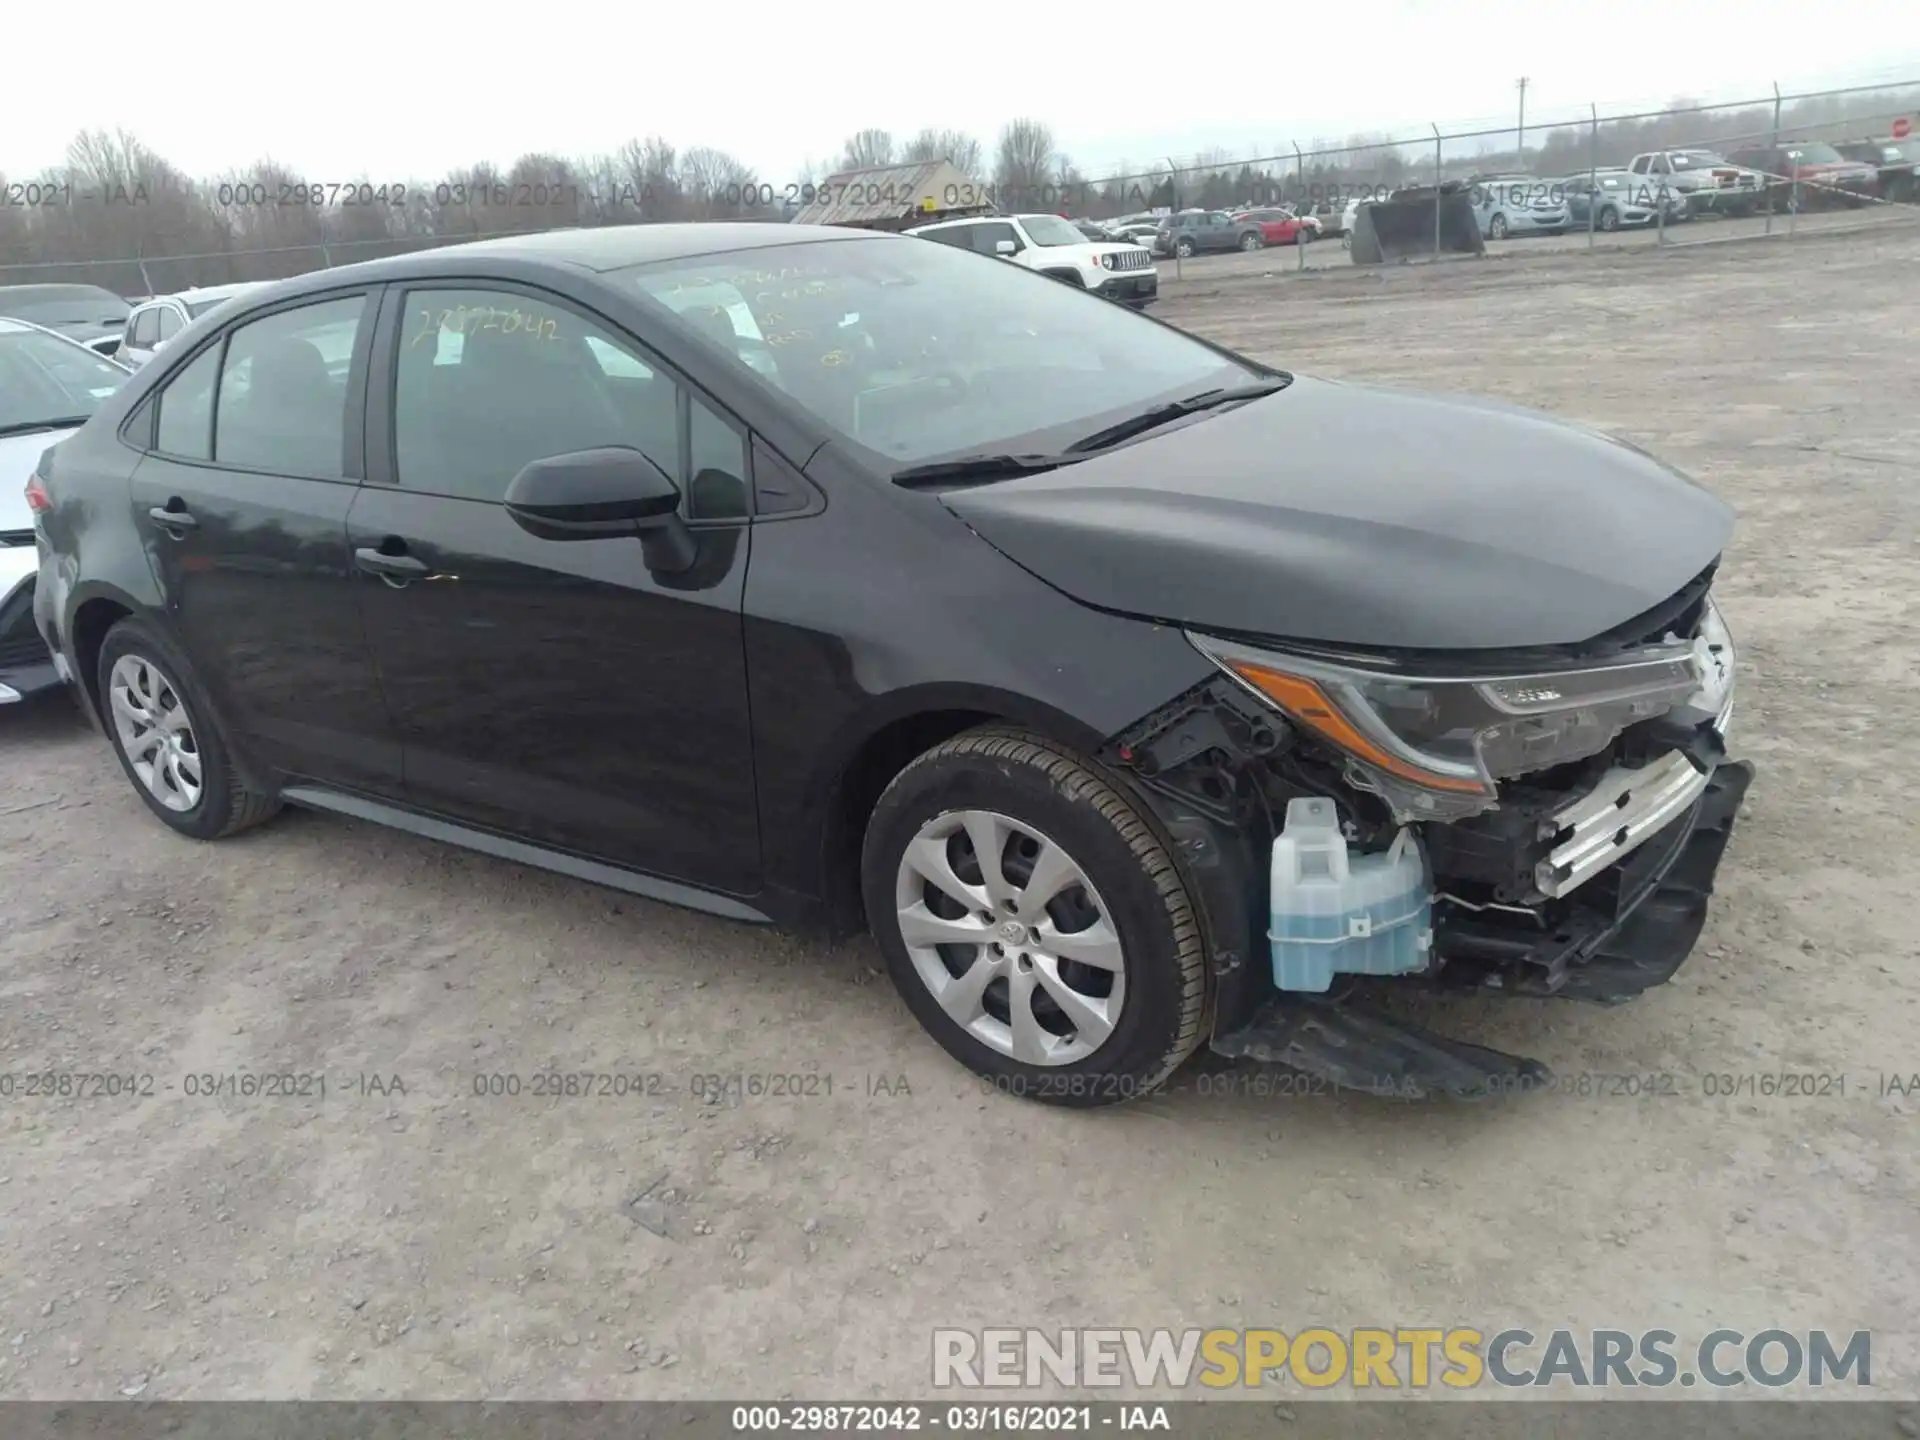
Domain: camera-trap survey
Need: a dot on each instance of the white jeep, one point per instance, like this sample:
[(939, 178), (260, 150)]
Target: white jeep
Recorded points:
[(1115, 270)]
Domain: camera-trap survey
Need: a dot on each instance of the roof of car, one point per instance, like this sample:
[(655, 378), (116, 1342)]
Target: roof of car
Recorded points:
[(610, 247)]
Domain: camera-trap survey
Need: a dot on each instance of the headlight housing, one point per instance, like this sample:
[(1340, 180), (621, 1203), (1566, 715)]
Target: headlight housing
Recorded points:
[(1436, 746)]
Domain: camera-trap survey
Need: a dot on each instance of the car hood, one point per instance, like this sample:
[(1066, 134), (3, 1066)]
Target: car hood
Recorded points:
[(1353, 515), (18, 455)]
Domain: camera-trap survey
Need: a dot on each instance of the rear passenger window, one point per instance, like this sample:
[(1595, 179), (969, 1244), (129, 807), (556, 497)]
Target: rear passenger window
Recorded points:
[(283, 391), (489, 381), (185, 427)]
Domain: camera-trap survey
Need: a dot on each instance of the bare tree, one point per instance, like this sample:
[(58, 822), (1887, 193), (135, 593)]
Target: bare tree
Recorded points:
[(867, 150), (1024, 162), (716, 184), (955, 146)]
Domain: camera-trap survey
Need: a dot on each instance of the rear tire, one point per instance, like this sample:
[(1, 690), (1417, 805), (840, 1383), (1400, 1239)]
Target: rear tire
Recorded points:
[(1101, 994), (1609, 219), (168, 740), (1497, 228)]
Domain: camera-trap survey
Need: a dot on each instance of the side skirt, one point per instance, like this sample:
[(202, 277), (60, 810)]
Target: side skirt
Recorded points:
[(672, 892)]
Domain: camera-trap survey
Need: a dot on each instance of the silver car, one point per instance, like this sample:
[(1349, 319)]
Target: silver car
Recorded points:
[(49, 386), (1518, 205), (156, 321), (1620, 200)]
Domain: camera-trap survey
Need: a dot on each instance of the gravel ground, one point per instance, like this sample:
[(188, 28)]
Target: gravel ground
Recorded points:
[(405, 1236)]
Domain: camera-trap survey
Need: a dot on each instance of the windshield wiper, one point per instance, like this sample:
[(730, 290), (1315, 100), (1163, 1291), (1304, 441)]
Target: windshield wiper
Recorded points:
[(978, 467), (28, 427), (1161, 414)]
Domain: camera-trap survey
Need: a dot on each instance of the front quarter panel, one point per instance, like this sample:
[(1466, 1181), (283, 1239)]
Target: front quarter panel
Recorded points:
[(885, 607)]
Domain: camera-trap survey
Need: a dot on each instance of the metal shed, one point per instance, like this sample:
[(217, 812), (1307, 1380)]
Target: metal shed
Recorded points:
[(893, 197)]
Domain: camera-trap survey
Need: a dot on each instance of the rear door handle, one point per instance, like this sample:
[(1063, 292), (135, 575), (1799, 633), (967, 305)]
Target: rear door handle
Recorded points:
[(391, 568), (170, 520)]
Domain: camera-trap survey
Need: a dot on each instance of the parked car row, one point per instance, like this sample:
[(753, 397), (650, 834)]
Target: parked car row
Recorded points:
[(133, 331)]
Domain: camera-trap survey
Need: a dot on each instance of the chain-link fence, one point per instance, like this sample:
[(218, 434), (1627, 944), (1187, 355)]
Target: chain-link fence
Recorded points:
[(1777, 164)]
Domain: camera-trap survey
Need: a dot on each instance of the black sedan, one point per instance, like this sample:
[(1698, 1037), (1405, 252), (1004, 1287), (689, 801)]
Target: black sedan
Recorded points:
[(95, 317), (829, 578)]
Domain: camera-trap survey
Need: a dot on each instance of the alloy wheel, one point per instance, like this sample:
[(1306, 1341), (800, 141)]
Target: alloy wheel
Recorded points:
[(155, 732), (1010, 937)]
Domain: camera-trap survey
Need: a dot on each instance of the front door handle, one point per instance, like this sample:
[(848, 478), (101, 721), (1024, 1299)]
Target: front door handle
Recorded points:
[(394, 569), (176, 522)]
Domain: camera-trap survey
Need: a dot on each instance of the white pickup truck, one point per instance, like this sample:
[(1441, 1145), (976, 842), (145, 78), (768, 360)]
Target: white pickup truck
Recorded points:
[(1706, 180)]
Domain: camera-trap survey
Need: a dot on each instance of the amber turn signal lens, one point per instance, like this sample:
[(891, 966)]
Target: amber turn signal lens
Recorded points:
[(1306, 702)]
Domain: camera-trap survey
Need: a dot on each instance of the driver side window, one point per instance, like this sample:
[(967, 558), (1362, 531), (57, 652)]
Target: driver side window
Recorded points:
[(489, 381)]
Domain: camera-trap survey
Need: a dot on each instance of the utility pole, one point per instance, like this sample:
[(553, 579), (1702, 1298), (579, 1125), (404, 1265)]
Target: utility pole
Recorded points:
[(1520, 135)]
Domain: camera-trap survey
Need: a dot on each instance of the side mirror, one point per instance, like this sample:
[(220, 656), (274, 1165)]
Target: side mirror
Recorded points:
[(603, 494), (1005, 247)]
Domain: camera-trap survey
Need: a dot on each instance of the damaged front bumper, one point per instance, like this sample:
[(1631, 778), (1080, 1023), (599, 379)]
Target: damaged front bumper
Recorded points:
[(1607, 953), (1586, 878)]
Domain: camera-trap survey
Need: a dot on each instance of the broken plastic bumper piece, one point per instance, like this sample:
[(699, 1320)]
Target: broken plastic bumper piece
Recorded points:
[(1660, 909)]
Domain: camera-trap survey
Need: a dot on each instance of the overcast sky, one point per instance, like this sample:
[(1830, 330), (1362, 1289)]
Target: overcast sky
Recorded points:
[(387, 90)]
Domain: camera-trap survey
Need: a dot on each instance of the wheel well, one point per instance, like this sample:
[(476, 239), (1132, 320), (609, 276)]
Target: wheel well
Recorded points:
[(1065, 277), (885, 754), (90, 625)]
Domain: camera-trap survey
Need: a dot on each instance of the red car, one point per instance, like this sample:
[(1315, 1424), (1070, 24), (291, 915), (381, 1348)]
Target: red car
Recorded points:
[(1278, 227)]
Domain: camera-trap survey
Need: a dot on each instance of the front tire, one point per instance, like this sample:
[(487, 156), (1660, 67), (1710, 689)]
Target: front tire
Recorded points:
[(1034, 921), (1609, 219), (1497, 228), (1251, 241), (1184, 250), (168, 741)]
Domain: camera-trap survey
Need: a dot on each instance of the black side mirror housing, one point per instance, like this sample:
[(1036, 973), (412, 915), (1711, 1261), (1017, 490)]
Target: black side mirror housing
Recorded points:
[(603, 494)]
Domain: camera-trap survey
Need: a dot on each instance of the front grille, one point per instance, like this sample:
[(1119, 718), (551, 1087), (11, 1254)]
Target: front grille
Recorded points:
[(1132, 258), (9, 538)]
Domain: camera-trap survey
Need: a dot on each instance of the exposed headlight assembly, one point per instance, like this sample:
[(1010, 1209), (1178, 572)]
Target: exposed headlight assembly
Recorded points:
[(1435, 746)]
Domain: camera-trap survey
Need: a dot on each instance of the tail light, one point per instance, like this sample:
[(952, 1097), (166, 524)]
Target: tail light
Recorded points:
[(38, 499)]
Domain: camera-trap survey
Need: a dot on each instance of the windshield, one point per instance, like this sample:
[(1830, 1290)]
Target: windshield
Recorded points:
[(44, 378), (1051, 230), (1815, 154), (65, 305), (917, 351)]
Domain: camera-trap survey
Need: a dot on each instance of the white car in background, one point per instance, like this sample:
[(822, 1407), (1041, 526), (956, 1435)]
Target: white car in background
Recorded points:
[(1115, 270), (49, 387), (156, 321)]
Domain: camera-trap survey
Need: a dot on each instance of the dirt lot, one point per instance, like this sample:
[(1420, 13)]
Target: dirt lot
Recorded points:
[(438, 1243)]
